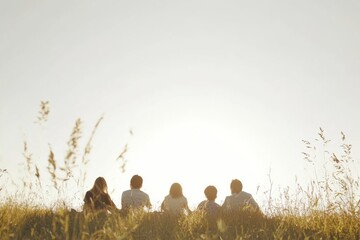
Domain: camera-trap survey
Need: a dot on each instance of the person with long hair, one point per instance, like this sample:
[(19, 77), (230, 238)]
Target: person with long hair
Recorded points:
[(98, 198), (175, 203)]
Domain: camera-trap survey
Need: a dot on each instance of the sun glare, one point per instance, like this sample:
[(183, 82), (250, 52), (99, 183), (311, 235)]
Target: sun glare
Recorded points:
[(196, 154)]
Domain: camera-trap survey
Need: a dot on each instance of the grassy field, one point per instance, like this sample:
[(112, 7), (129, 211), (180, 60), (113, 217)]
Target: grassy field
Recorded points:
[(328, 208), (24, 222)]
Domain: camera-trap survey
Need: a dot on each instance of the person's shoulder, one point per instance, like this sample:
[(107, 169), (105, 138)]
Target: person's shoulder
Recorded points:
[(89, 194), (246, 194), (88, 197), (144, 193), (227, 198), (201, 204), (126, 192), (213, 203)]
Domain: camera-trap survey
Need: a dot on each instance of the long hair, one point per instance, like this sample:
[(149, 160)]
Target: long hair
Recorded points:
[(100, 186), (176, 190)]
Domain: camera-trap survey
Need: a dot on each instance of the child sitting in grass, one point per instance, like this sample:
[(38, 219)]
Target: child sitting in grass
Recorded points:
[(209, 207)]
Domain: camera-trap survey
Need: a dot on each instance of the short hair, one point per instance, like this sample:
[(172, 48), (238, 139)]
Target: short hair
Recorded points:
[(210, 192), (176, 190), (136, 181), (236, 186)]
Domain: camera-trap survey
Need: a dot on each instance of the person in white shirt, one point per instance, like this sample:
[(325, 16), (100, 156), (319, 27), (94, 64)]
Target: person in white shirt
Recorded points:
[(134, 198), (175, 203), (239, 200)]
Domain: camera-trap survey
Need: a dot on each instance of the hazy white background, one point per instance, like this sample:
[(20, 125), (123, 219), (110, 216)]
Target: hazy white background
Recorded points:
[(213, 90)]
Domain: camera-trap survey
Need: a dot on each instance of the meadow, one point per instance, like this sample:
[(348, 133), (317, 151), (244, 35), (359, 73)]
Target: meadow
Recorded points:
[(327, 208)]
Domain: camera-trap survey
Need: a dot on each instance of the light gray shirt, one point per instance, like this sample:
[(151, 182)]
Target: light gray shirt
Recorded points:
[(175, 205), (237, 201), (134, 198)]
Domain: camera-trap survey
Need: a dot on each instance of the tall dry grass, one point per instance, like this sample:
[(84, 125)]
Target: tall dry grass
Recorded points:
[(327, 208), (336, 187), (23, 222)]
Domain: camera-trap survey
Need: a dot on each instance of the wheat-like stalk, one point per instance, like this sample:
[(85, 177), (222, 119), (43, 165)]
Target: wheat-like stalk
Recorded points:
[(52, 169), (87, 151), (43, 113), (121, 158), (71, 154)]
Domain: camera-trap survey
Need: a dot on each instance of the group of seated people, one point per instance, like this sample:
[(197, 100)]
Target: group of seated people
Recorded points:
[(175, 203)]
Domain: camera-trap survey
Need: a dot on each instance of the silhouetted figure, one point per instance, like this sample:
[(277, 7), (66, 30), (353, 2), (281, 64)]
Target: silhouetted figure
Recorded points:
[(134, 198), (209, 207), (97, 198), (239, 200), (175, 203)]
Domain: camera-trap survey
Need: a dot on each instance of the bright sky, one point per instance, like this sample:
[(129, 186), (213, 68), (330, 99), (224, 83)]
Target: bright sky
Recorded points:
[(213, 90)]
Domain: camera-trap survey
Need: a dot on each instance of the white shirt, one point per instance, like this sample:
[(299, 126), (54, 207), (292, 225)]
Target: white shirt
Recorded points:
[(175, 205), (239, 200), (134, 198)]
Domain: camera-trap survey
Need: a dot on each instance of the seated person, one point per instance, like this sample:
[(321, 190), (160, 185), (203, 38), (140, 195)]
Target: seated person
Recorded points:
[(209, 207), (134, 198), (97, 198), (239, 200), (175, 203)]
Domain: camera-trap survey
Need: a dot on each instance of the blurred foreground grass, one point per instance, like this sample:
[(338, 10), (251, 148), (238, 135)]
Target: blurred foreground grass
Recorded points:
[(22, 222)]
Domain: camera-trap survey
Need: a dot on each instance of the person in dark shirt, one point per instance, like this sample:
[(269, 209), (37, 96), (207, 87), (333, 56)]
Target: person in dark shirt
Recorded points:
[(97, 198), (209, 207)]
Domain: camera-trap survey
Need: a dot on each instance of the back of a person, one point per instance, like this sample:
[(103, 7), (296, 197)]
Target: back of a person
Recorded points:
[(173, 205), (134, 198), (102, 201), (97, 198), (210, 208), (240, 201)]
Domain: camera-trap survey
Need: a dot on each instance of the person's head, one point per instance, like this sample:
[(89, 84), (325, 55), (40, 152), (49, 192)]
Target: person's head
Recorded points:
[(176, 190), (236, 186), (100, 186), (210, 193), (136, 182)]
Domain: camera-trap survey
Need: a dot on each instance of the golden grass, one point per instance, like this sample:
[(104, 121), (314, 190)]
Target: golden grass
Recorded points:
[(25, 222), (328, 208)]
